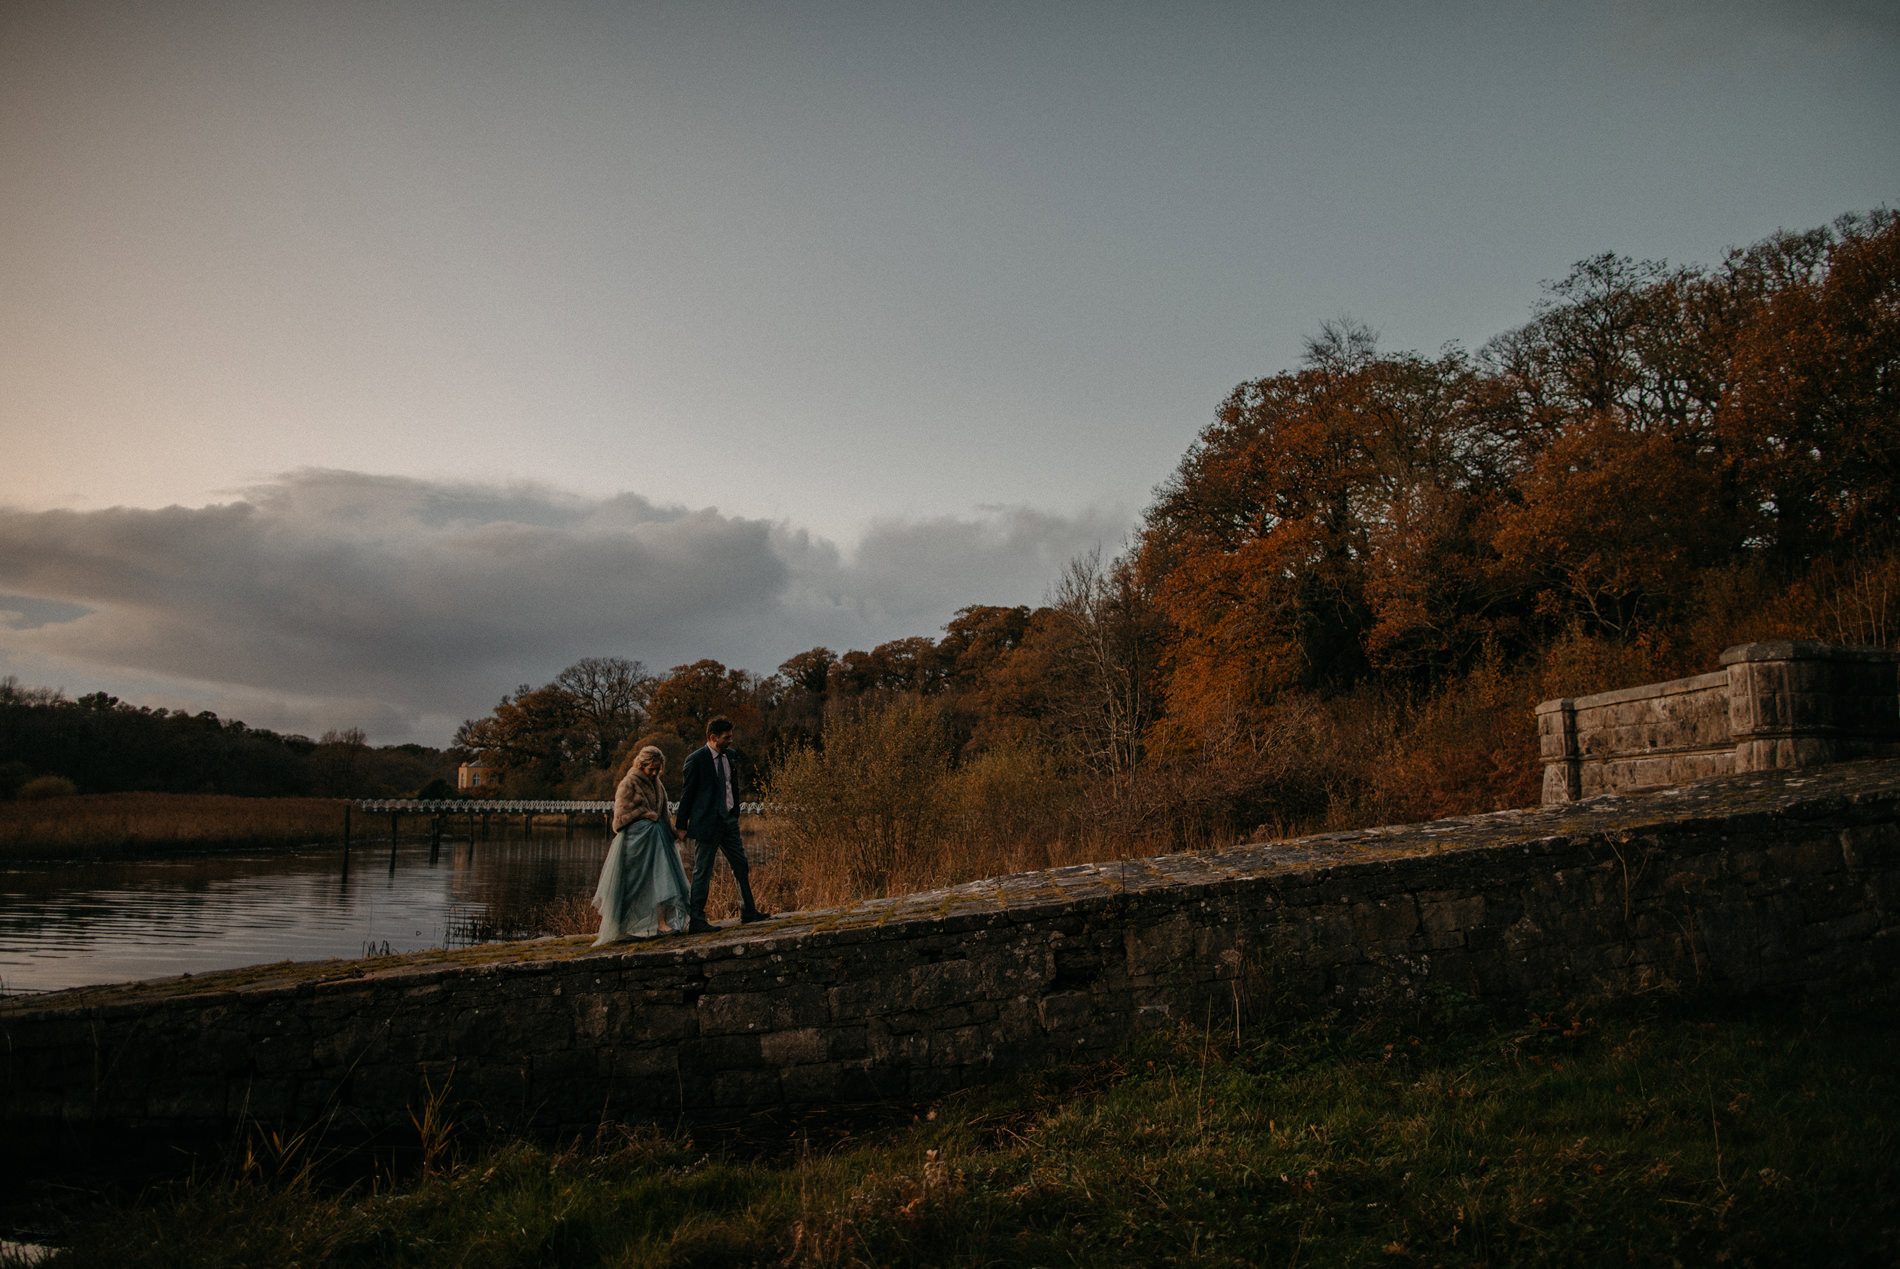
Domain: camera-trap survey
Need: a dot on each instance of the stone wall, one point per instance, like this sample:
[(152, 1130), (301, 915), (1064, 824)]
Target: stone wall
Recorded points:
[(1771, 706), (1770, 881)]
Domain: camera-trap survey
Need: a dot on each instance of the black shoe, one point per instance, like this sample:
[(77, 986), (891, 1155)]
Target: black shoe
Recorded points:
[(756, 914), (697, 926)]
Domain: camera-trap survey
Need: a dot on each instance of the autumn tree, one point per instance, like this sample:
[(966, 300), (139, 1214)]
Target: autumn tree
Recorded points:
[(691, 695), (1610, 525), (796, 717), (544, 740), (1811, 415), (610, 696), (531, 737), (910, 664), (1329, 521), (977, 639), (810, 672)]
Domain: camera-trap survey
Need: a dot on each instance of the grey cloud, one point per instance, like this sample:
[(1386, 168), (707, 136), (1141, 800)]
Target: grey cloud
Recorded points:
[(1677, 33), (23, 613), (404, 605), (905, 572)]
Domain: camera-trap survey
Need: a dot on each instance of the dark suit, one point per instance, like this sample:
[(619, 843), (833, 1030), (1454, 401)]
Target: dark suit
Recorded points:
[(705, 817)]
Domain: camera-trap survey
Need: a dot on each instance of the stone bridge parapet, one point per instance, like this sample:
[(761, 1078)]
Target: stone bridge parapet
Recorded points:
[(1771, 706)]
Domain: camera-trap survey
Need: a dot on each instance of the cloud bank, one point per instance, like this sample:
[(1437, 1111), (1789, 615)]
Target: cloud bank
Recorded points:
[(331, 598)]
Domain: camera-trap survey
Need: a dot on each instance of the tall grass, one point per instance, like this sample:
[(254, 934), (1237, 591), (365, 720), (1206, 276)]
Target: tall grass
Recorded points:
[(100, 825), (890, 806), (885, 809)]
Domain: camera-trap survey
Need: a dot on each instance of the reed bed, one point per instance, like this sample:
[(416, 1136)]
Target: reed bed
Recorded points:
[(111, 825)]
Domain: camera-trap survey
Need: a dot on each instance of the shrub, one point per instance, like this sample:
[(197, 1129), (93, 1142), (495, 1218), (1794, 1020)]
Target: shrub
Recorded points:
[(1470, 748), (1005, 810), (868, 806)]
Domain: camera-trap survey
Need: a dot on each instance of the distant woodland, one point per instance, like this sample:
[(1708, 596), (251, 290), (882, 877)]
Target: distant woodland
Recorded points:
[(1343, 604), (51, 745)]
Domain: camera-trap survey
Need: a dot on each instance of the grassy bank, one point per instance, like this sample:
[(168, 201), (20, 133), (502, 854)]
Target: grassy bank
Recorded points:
[(1664, 1134), (115, 825)]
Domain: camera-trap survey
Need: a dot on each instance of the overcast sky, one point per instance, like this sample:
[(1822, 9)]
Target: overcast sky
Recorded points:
[(361, 361)]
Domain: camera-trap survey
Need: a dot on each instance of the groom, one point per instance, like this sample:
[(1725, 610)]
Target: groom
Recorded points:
[(709, 814)]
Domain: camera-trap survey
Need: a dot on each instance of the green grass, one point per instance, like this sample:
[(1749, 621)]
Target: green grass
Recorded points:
[(1660, 1134)]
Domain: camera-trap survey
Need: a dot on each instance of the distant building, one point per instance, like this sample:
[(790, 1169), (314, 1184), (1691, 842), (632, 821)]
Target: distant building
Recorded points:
[(474, 775)]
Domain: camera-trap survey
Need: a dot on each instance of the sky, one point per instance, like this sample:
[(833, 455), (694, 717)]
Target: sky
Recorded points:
[(360, 362)]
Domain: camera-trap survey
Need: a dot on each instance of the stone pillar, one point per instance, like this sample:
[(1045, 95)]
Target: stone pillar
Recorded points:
[(1797, 704), (1557, 746)]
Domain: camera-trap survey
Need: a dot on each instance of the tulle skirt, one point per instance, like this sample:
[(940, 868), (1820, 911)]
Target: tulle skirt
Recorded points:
[(640, 883)]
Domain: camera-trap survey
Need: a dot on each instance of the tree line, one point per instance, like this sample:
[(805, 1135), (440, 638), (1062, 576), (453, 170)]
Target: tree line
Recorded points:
[(50, 744)]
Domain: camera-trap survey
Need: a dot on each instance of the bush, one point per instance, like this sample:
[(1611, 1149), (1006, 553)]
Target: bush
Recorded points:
[(865, 815), (1006, 809), (1470, 748), (43, 787), (885, 808)]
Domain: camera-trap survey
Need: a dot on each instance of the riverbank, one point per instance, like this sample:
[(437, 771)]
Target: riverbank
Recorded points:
[(162, 825), (1653, 1132)]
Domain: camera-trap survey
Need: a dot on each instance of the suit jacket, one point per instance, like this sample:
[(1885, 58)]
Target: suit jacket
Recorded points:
[(702, 798)]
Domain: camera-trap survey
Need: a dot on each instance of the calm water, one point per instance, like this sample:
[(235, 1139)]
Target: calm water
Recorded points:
[(71, 925)]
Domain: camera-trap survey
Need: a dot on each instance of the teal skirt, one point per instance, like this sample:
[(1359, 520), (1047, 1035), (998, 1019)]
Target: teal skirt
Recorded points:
[(641, 884)]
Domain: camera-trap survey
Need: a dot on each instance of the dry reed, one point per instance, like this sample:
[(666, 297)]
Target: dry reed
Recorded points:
[(883, 810), (106, 824)]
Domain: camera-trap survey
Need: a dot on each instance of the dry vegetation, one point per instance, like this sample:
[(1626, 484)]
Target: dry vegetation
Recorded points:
[(109, 824)]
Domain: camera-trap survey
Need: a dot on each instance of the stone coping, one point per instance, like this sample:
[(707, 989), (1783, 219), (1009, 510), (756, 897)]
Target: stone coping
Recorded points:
[(1025, 897), (1644, 692), (1803, 650)]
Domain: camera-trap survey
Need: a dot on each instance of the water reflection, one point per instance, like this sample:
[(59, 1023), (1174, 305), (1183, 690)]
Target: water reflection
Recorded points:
[(76, 924)]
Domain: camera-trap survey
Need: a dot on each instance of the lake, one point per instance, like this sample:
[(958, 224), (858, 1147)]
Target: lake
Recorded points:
[(81, 923)]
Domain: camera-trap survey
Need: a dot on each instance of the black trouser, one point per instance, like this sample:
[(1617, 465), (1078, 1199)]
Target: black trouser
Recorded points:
[(709, 841)]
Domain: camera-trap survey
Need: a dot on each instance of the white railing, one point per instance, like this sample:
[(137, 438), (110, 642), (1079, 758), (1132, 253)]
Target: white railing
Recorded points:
[(490, 806)]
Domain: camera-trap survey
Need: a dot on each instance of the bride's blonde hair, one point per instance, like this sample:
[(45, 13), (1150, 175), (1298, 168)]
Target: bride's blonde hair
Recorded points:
[(657, 753)]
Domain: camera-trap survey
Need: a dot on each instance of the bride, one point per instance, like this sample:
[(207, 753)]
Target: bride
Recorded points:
[(642, 881)]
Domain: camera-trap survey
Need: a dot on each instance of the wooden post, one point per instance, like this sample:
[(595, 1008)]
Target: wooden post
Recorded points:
[(346, 840), (395, 826), (435, 840), (527, 825)]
